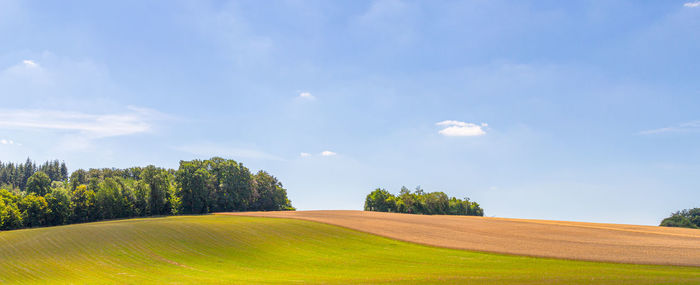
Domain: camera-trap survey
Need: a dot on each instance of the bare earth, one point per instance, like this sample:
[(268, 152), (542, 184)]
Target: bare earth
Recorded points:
[(542, 238)]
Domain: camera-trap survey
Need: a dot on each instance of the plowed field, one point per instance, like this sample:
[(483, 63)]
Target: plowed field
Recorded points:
[(542, 238)]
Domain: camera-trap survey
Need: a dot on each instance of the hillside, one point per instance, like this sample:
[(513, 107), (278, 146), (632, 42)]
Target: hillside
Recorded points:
[(557, 239), (227, 249)]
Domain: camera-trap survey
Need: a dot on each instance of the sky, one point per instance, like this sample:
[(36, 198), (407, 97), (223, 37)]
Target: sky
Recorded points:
[(563, 110)]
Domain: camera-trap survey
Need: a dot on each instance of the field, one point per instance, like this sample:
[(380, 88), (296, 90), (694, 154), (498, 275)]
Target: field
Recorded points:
[(543, 238), (234, 249)]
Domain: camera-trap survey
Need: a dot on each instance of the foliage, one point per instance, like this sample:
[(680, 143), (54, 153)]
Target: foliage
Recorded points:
[(688, 218), (18, 174), (420, 202), (39, 183), (58, 202), (34, 209), (10, 216), (48, 196), (269, 193)]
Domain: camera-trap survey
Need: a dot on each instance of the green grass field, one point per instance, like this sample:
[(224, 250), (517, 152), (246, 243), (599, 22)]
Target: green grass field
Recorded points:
[(227, 249)]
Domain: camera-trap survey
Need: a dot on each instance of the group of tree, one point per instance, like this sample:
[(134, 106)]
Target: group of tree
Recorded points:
[(198, 186), (16, 175), (688, 218), (420, 202)]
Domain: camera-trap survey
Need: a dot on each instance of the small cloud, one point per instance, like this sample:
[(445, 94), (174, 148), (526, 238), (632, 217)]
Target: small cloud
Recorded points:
[(306, 95), (304, 154), (692, 126), (6, 142), (328, 153), (30, 63), (461, 129), (695, 4)]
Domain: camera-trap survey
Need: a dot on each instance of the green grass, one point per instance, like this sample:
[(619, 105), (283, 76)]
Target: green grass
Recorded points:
[(227, 249)]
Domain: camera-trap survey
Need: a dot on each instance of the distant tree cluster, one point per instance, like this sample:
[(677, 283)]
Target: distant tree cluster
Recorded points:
[(420, 202), (688, 218), (44, 195), (17, 175)]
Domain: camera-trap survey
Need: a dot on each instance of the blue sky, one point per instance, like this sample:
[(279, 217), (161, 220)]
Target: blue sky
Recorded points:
[(567, 110)]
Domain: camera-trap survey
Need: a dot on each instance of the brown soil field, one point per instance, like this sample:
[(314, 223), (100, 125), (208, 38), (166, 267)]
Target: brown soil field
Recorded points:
[(541, 238)]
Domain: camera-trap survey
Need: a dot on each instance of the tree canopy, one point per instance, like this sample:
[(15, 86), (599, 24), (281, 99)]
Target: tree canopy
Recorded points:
[(34, 195), (688, 218), (420, 202)]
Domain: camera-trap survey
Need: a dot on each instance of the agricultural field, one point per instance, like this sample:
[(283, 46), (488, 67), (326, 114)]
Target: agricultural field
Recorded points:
[(543, 238), (239, 249)]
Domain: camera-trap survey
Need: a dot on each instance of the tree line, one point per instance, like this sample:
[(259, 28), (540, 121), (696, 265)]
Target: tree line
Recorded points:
[(44, 195), (420, 202), (16, 175), (688, 218)]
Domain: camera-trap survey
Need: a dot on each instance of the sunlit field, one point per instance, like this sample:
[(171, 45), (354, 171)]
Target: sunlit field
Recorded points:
[(229, 249)]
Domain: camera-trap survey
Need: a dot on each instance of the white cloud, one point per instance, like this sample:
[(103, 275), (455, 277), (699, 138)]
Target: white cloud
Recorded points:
[(137, 120), (306, 95), (30, 63), (304, 154), (5, 141), (692, 4), (461, 129), (692, 126), (328, 153)]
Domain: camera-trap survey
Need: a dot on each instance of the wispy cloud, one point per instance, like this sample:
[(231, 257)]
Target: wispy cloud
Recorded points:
[(695, 4), (306, 95), (461, 129), (136, 120), (328, 153), (212, 149), (692, 126), (6, 141), (304, 154)]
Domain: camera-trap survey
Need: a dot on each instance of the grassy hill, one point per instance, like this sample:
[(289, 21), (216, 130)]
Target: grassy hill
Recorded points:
[(231, 249)]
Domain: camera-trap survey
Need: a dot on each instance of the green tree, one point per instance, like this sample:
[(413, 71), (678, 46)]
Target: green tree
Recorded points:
[(271, 196), (436, 203), (127, 198), (193, 188), (158, 181), (379, 200), (108, 199), (34, 210), (689, 218), (78, 177), (236, 191), (83, 205), (198, 186), (10, 216), (58, 202), (142, 198), (408, 201), (420, 202), (39, 183)]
